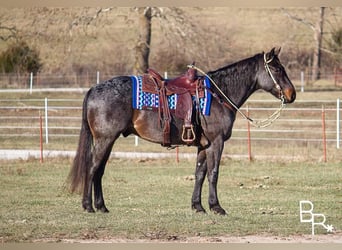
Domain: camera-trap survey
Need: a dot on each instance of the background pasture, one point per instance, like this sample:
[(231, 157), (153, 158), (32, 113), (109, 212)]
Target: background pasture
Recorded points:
[(150, 200)]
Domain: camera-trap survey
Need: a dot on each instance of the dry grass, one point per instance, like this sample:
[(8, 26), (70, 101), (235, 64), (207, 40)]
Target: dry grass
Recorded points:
[(107, 43), (150, 199)]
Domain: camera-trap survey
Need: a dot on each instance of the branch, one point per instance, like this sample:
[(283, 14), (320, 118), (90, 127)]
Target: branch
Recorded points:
[(87, 20), (330, 51), (302, 20), (12, 30)]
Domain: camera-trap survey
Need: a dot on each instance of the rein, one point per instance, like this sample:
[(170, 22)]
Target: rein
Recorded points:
[(259, 124)]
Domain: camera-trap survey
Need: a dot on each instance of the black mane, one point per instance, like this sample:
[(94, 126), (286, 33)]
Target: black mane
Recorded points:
[(237, 78)]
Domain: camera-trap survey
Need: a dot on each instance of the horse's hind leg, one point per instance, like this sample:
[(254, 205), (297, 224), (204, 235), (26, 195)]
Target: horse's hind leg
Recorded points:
[(100, 155), (97, 180)]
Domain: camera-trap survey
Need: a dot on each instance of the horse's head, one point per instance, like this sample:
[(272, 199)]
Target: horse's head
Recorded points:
[(273, 78)]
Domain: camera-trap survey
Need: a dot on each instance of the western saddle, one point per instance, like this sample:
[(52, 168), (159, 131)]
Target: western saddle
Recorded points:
[(185, 86)]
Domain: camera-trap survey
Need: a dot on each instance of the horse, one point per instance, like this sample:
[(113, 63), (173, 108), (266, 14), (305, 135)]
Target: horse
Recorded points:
[(108, 113)]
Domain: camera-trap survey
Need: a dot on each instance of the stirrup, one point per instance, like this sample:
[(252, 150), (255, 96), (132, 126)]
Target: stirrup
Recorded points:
[(191, 136)]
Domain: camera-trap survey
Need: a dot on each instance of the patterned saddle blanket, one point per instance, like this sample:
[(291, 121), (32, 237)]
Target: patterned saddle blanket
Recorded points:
[(149, 101)]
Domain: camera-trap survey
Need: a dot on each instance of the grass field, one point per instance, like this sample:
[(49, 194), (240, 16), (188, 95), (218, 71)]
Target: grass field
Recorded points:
[(150, 200)]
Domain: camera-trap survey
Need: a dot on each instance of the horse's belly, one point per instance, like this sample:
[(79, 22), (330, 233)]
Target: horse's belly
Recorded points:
[(147, 125)]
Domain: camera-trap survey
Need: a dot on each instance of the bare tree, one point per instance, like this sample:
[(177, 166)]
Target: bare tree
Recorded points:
[(178, 30), (317, 28), (142, 48), (171, 19)]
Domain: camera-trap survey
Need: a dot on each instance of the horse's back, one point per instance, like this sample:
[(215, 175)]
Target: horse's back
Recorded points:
[(109, 105), (117, 88)]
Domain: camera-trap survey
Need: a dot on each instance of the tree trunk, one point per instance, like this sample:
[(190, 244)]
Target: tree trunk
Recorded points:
[(318, 35), (142, 48)]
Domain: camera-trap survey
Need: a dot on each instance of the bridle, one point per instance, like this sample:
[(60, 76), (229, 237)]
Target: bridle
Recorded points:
[(268, 70), (259, 124)]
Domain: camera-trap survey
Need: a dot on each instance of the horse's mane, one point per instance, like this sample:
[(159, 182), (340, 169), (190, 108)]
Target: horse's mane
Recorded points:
[(236, 67), (234, 78)]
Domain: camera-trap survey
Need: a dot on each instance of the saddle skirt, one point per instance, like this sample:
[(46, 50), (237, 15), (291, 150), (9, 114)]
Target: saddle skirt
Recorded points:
[(149, 101)]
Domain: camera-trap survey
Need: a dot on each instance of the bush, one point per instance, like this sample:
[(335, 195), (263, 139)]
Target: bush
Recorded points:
[(20, 58), (335, 44)]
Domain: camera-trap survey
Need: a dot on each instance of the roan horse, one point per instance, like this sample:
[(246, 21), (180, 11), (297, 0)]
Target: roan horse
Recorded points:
[(108, 113)]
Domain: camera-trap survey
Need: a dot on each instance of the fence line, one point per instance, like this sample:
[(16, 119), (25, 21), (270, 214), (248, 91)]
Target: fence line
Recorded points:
[(86, 79), (298, 124)]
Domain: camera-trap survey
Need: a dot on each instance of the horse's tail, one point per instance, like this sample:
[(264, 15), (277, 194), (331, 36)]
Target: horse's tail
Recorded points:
[(79, 172)]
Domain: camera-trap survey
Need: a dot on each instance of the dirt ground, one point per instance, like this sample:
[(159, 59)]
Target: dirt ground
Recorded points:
[(326, 238)]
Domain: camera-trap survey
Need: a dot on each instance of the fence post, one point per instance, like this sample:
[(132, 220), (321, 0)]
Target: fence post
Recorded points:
[(46, 122), (324, 135), (301, 81), (41, 136), (338, 123), (249, 137), (31, 82), (97, 77), (177, 154)]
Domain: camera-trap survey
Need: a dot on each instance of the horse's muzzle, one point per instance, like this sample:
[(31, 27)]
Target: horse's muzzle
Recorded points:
[(289, 95)]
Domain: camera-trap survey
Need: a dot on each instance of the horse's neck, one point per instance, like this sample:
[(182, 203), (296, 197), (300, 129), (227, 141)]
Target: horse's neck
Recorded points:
[(238, 81)]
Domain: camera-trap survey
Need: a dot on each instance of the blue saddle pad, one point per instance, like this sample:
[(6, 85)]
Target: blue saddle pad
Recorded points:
[(145, 100)]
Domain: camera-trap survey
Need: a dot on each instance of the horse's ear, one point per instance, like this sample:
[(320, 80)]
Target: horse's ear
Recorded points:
[(277, 51), (274, 52), (270, 55)]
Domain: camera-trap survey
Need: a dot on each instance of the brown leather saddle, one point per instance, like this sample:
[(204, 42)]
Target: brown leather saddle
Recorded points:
[(185, 86)]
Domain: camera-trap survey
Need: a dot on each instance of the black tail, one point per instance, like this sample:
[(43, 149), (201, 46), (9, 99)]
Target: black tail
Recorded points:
[(80, 169)]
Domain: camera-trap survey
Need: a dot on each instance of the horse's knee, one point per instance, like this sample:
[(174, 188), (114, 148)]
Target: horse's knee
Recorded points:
[(213, 176)]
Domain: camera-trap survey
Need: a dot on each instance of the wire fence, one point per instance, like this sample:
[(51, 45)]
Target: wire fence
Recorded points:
[(89, 78), (305, 130)]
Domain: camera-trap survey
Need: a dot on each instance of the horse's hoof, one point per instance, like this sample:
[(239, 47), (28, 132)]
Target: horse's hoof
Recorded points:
[(103, 209), (198, 208), (218, 210), (90, 210)]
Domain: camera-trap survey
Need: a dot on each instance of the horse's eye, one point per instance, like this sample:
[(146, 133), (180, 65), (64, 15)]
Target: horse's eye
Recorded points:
[(276, 69)]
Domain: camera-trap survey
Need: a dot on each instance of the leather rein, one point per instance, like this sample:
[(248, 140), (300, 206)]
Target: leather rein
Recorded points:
[(229, 104)]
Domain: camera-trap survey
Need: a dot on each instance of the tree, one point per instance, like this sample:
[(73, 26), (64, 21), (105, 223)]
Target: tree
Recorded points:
[(20, 58), (318, 37), (142, 48), (178, 29)]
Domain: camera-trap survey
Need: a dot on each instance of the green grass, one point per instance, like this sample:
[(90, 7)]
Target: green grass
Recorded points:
[(150, 199)]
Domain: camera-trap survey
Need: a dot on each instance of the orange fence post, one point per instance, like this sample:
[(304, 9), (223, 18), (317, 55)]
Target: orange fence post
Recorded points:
[(177, 154)]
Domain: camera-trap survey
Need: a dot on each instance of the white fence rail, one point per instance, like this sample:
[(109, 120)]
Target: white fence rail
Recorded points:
[(301, 124)]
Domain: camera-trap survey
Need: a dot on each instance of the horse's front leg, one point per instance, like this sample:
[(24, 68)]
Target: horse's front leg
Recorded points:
[(214, 153), (201, 170)]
